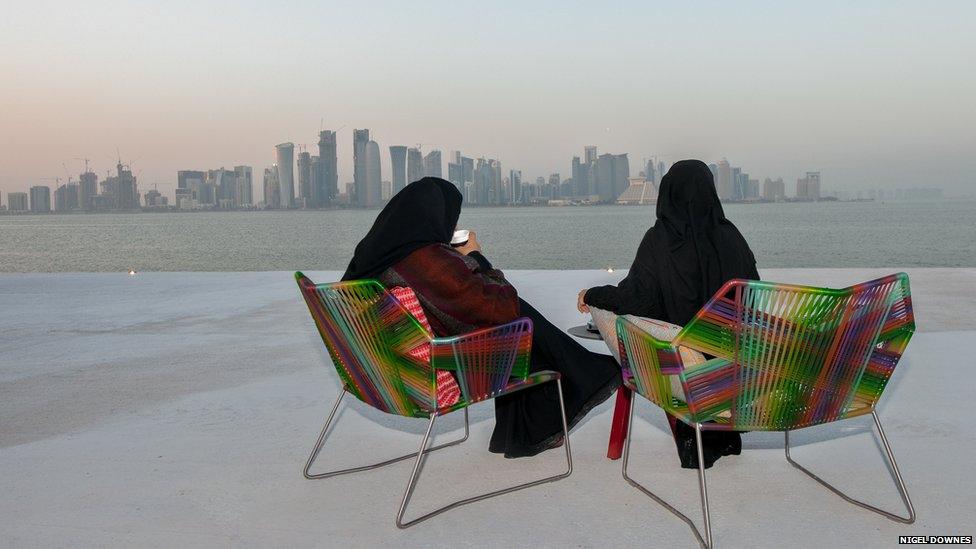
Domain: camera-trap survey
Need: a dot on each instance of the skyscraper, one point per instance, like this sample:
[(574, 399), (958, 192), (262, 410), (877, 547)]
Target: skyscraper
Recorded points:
[(554, 186), (621, 174), (774, 191), (604, 177), (221, 189), (244, 183), (650, 171), (359, 140), (87, 190), (374, 179), (40, 199), (808, 188), (813, 185), (515, 182), (272, 190), (328, 174), (398, 159), (736, 176), (307, 193), (17, 202), (126, 189), (285, 156), (415, 165), (66, 197), (184, 178), (432, 164), (723, 185), (589, 153)]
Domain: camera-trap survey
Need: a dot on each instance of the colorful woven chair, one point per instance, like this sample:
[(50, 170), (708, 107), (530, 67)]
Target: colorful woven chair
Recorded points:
[(369, 335), (785, 357)]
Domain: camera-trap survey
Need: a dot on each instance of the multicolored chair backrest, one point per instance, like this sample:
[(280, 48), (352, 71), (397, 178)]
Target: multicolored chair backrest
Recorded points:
[(799, 355), (485, 361), (368, 333)]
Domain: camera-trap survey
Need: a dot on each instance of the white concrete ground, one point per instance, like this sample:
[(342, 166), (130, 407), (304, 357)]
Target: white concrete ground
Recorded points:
[(177, 409)]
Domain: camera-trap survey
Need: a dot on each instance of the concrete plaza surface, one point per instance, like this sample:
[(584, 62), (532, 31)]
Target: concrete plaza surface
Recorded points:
[(177, 409)]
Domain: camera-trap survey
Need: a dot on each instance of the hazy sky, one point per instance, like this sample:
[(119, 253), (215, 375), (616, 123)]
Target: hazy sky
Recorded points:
[(870, 93)]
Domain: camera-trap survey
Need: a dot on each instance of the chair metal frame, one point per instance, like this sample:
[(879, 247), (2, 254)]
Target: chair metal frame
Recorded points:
[(488, 363), (872, 322)]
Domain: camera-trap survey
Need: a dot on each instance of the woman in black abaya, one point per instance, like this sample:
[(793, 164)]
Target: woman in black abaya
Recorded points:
[(460, 291), (687, 255)]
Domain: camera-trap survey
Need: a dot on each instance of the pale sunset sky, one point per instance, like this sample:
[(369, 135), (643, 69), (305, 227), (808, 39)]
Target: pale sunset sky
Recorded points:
[(872, 94)]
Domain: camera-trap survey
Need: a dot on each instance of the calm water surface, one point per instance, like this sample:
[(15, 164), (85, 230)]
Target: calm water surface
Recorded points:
[(839, 234)]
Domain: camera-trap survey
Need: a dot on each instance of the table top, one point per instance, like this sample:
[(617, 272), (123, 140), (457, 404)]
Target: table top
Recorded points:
[(582, 333)]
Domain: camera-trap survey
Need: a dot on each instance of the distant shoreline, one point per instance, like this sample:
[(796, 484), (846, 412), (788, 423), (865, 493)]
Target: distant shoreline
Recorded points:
[(479, 206)]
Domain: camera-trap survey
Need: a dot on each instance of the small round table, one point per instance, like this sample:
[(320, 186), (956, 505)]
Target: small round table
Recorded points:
[(583, 332)]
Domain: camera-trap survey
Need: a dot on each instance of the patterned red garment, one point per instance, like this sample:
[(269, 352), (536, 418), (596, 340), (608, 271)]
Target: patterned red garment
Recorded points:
[(459, 293), (448, 392)]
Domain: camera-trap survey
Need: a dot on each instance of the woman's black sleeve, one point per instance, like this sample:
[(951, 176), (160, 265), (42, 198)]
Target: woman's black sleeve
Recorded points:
[(637, 294), (482, 260)]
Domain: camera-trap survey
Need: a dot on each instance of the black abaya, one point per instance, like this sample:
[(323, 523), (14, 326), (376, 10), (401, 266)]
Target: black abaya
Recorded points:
[(528, 422)]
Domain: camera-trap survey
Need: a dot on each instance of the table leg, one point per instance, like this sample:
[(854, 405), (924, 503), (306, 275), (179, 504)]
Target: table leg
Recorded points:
[(618, 429)]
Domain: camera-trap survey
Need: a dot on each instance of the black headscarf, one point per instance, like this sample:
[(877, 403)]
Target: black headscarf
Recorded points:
[(687, 255), (424, 212), (696, 249)]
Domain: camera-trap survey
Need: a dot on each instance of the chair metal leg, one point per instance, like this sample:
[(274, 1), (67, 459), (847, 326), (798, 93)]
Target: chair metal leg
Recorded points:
[(418, 465), (894, 468), (321, 442), (705, 542)]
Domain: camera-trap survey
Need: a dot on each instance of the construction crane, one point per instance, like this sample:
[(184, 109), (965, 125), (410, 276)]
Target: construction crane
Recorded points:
[(86, 160)]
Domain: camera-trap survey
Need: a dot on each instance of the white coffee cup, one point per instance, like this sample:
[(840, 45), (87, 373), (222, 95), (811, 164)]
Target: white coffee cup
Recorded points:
[(460, 237)]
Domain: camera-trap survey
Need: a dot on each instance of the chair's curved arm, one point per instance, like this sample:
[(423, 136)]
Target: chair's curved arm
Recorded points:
[(485, 360), (654, 362), (650, 361), (709, 388)]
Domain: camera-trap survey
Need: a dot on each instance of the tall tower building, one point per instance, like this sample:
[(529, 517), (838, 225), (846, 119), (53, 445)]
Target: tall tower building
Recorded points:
[(40, 199), (126, 190), (398, 158), (723, 185), (374, 179), (285, 156), (272, 191), (244, 187), (415, 165), (308, 194), (328, 174), (66, 197), (515, 181), (359, 140), (17, 202), (223, 186), (813, 185), (87, 190), (621, 174), (432, 164), (589, 153)]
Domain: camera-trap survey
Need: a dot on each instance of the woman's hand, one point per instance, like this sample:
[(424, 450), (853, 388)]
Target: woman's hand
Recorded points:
[(471, 245), (581, 304)]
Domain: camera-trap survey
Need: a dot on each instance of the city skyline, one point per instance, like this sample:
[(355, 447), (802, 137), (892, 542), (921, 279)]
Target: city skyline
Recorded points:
[(595, 179), (872, 94)]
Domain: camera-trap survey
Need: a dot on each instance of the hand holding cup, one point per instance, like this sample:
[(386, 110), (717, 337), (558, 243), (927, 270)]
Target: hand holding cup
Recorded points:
[(471, 245)]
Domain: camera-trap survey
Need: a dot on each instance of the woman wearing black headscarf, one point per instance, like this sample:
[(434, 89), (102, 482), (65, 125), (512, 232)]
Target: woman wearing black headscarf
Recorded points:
[(459, 290), (682, 261)]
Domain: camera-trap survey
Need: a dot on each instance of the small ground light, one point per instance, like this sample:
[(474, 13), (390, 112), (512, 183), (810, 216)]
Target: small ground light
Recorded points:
[(132, 272), (609, 268)]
